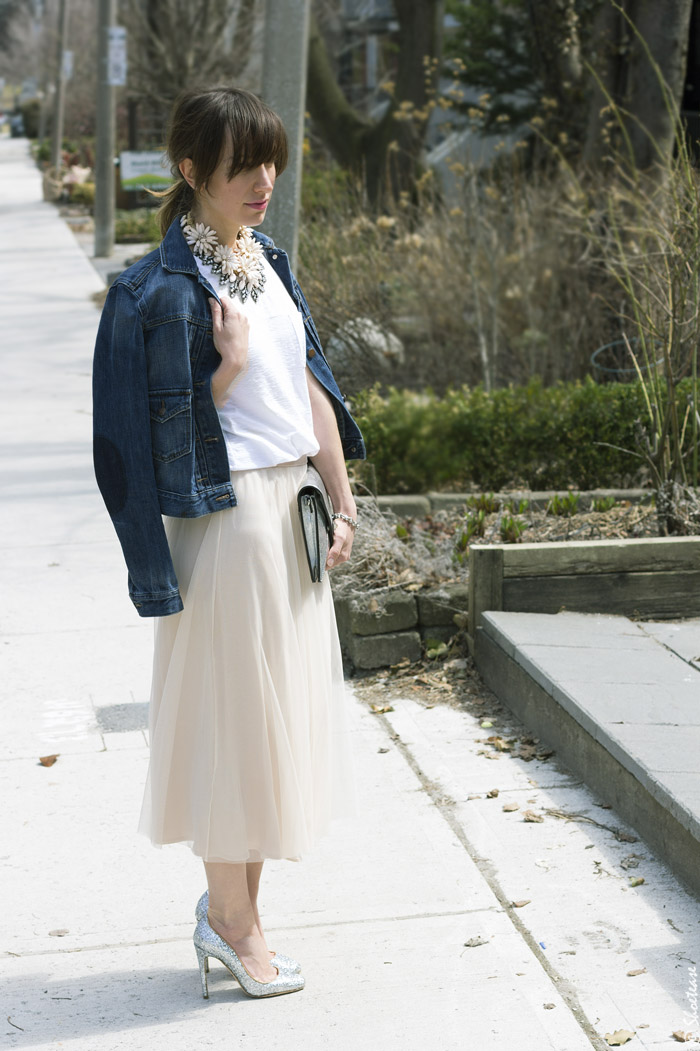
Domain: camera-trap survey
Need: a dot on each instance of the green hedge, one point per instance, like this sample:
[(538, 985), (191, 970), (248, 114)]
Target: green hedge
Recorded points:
[(542, 437)]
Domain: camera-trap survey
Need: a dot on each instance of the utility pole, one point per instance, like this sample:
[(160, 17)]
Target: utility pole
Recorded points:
[(104, 139), (284, 89), (60, 89)]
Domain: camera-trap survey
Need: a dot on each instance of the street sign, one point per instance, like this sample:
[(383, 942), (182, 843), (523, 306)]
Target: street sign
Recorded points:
[(144, 168), (116, 57)]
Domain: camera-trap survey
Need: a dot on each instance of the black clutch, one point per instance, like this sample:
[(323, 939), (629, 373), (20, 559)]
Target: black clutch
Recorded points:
[(315, 512)]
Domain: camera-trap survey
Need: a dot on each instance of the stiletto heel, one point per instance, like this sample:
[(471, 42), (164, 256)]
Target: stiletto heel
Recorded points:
[(203, 961), (208, 943), (283, 963)]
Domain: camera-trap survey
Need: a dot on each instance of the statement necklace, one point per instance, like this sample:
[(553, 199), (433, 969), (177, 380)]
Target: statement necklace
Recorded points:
[(240, 267)]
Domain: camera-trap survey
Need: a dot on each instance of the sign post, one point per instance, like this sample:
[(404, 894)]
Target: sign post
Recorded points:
[(284, 88), (60, 94), (111, 71)]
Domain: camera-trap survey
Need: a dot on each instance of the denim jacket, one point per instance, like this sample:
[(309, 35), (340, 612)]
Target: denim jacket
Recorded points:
[(158, 444)]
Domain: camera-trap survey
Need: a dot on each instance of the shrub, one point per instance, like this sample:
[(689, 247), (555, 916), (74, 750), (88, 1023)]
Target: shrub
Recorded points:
[(83, 193), (138, 226), (570, 434)]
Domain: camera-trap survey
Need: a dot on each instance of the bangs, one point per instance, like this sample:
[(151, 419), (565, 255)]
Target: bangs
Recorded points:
[(257, 135)]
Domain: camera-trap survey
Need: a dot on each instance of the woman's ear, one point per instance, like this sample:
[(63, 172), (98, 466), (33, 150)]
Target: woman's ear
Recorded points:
[(186, 171)]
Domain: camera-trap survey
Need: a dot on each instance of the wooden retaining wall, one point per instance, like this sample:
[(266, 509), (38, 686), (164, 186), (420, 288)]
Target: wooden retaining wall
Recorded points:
[(655, 578)]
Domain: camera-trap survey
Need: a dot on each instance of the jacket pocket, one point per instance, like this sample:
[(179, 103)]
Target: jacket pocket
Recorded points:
[(171, 423)]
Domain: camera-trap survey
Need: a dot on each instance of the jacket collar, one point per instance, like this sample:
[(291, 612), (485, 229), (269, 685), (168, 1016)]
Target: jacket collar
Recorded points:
[(176, 256)]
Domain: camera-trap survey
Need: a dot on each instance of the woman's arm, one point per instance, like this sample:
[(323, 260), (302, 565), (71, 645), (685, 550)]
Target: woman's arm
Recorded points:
[(330, 464)]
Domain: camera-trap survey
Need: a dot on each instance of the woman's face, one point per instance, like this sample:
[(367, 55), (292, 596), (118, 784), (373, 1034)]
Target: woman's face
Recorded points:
[(227, 204)]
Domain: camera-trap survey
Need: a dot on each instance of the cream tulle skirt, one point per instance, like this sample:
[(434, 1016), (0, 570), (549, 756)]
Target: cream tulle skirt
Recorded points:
[(251, 755)]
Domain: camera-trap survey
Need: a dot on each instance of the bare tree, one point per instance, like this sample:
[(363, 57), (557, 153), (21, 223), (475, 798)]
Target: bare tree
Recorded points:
[(178, 43), (361, 144)]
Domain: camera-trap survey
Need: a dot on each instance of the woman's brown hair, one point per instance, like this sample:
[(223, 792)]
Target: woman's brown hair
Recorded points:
[(198, 127)]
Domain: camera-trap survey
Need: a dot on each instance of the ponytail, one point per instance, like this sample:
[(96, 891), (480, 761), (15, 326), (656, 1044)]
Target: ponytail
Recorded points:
[(176, 200)]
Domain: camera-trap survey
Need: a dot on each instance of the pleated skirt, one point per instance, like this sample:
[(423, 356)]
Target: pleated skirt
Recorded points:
[(251, 754)]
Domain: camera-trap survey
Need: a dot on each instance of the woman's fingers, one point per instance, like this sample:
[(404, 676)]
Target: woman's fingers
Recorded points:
[(230, 329), (216, 315), (342, 544)]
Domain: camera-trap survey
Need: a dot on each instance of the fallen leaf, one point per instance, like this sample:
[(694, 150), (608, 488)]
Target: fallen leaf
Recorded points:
[(492, 793), (499, 743), (681, 1037), (379, 709), (474, 797), (382, 750), (639, 970), (59, 932), (549, 1007), (48, 760), (519, 904), (630, 862), (624, 837), (636, 881), (478, 940), (530, 815), (373, 605), (619, 1037), (511, 806)]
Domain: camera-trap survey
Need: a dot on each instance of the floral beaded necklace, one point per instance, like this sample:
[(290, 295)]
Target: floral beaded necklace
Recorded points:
[(240, 267)]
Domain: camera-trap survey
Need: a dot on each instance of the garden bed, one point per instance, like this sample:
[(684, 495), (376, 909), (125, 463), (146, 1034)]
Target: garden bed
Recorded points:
[(405, 594)]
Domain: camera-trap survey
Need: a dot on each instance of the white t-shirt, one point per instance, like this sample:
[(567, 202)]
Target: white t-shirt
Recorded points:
[(266, 418)]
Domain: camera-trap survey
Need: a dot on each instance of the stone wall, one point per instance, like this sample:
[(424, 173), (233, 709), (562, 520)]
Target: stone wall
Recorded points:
[(380, 628)]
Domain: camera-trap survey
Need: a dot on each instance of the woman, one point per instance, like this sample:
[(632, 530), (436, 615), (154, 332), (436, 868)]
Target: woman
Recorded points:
[(211, 392)]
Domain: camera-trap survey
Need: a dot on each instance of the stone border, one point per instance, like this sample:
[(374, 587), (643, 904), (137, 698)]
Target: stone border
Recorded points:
[(654, 578), (421, 504), (380, 628)]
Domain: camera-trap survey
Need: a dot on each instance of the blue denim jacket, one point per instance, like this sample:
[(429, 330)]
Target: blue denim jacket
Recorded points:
[(158, 445)]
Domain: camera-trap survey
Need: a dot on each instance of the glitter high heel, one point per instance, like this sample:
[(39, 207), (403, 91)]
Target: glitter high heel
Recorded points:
[(208, 943), (283, 963)]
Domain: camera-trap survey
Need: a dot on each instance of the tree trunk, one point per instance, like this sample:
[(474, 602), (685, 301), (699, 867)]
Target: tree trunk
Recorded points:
[(665, 27), (555, 30), (360, 145), (627, 76)]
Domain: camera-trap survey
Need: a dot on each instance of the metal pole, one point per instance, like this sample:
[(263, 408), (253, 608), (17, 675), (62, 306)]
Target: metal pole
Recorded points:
[(104, 139), (284, 89), (60, 91)]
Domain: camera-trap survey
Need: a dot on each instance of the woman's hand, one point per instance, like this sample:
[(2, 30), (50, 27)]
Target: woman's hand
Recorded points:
[(230, 329), (343, 536)]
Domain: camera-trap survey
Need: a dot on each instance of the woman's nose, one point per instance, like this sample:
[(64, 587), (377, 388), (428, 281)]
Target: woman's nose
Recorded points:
[(266, 177)]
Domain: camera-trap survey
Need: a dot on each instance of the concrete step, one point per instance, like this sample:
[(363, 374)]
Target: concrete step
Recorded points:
[(619, 700)]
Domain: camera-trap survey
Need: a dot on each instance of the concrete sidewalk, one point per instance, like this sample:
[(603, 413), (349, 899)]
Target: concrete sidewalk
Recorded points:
[(403, 919), (620, 702)]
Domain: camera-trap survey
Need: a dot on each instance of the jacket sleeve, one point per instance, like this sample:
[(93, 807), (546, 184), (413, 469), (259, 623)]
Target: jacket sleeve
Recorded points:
[(122, 454)]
